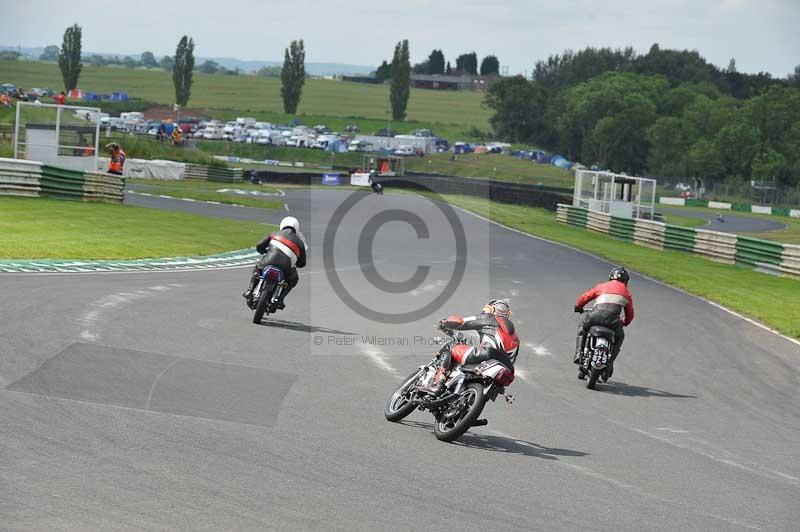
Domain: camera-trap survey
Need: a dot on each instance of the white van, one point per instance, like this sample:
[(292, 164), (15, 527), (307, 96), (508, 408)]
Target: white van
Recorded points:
[(214, 133), (404, 151), (245, 121)]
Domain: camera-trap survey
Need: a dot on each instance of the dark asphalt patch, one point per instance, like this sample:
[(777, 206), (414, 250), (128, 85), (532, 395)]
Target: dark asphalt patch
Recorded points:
[(161, 383)]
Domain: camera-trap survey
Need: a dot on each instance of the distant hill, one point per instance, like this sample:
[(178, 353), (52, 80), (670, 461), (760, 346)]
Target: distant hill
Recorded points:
[(315, 69)]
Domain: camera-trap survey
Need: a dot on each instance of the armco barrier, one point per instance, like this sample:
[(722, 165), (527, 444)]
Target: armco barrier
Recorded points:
[(20, 178), (500, 191), (766, 256)]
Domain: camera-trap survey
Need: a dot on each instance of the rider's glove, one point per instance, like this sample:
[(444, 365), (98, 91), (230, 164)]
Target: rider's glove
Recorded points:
[(442, 325), (578, 309)]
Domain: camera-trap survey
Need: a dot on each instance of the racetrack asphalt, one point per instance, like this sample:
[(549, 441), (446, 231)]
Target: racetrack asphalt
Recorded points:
[(731, 224), (150, 401)]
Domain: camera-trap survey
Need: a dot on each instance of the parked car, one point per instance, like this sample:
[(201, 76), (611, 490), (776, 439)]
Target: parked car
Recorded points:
[(404, 151), (351, 127), (214, 133), (262, 136), (359, 146), (187, 125), (385, 133), (424, 133), (245, 121)]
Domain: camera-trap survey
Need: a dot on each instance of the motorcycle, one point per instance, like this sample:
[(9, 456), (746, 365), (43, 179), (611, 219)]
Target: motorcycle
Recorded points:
[(267, 292), (458, 406), (596, 355)]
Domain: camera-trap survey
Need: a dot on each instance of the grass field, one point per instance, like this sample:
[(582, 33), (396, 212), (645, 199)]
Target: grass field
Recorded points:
[(260, 97), (37, 228)]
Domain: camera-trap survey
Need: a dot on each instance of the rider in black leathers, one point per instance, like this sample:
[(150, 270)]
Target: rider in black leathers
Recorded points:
[(285, 249)]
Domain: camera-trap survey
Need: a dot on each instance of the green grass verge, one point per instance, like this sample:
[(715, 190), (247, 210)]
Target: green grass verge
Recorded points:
[(789, 235), (199, 185), (684, 221), (37, 228), (774, 301), (220, 197)]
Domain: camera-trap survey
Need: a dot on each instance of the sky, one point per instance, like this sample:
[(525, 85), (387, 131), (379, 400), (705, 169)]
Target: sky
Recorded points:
[(762, 35)]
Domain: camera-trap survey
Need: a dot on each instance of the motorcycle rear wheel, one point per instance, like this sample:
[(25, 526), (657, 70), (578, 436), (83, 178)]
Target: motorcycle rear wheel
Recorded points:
[(261, 306), (446, 431), (594, 374), (399, 404)]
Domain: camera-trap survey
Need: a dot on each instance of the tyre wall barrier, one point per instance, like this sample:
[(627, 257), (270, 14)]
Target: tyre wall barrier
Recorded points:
[(103, 187), (214, 173), (61, 183), (500, 191), (34, 179), (20, 178), (763, 255)]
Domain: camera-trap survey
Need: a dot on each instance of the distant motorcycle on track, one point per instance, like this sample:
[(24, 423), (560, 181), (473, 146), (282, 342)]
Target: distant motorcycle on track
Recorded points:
[(459, 405)]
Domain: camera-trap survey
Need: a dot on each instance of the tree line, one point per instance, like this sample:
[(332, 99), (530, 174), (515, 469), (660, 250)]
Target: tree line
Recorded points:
[(667, 113), (436, 64), (182, 65)]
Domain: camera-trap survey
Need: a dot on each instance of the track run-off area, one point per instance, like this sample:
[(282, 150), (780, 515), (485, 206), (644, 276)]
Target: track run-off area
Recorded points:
[(149, 401)]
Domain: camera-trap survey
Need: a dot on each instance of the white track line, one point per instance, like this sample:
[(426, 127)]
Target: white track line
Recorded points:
[(717, 305), (379, 358)]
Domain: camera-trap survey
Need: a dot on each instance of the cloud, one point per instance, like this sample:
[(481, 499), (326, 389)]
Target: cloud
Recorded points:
[(364, 31)]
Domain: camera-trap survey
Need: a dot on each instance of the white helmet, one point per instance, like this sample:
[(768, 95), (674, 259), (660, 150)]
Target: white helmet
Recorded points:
[(290, 221)]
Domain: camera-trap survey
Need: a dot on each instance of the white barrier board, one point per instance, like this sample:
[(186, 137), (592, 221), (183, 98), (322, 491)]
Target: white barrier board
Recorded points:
[(359, 179), (757, 209), (672, 201), (719, 205), (794, 213)]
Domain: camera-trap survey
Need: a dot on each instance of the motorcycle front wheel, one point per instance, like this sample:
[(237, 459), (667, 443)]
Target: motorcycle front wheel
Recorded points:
[(472, 403), (400, 404)]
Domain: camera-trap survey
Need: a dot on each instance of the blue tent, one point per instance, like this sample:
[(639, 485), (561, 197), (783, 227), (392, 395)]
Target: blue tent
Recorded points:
[(560, 162), (336, 146)]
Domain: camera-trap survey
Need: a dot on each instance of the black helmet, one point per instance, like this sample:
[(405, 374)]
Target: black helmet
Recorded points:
[(619, 274)]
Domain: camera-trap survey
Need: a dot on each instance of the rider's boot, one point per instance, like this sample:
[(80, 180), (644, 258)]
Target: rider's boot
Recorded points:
[(579, 343), (280, 304), (437, 384), (253, 278)]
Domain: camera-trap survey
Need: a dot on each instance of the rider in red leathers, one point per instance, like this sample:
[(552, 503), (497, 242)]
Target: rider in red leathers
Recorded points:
[(613, 308), (498, 340)]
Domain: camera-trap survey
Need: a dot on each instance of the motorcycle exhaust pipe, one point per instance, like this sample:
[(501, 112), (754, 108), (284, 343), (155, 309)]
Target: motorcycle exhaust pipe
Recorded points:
[(441, 401)]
